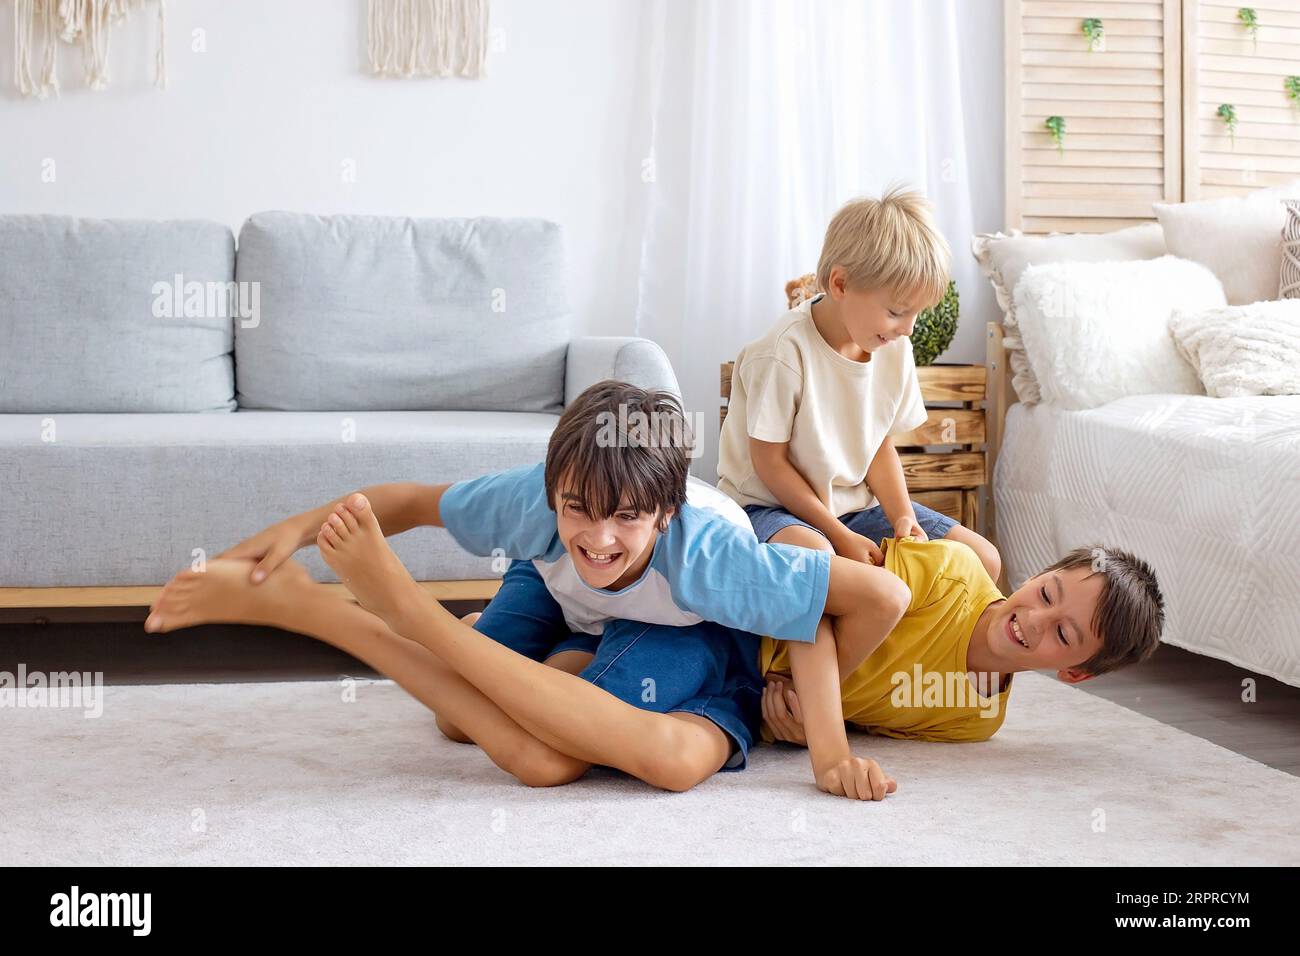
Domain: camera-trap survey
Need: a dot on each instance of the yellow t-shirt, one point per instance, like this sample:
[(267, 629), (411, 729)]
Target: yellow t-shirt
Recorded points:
[(915, 684)]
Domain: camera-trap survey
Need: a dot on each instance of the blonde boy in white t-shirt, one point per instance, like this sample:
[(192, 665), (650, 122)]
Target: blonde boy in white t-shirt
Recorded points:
[(806, 447)]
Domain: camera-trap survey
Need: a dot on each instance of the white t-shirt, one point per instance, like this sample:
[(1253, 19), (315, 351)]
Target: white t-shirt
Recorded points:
[(791, 386)]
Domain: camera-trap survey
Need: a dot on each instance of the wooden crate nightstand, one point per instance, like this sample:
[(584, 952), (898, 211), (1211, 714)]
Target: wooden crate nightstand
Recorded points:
[(947, 480)]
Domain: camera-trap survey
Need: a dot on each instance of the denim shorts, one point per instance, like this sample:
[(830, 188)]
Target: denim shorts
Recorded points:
[(871, 523), (705, 669)]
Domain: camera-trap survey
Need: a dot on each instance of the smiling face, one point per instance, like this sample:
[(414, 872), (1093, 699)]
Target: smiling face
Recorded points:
[(609, 552), (616, 470), (1047, 624), (873, 318)]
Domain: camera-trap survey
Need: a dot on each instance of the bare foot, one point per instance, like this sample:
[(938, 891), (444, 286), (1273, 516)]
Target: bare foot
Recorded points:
[(222, 593), (352, 543)]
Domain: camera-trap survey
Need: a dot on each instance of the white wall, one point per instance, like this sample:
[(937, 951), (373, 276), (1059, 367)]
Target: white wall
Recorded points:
[(265, 118), (982, 81)]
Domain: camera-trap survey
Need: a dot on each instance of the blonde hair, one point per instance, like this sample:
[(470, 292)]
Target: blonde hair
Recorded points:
[(890, 242)]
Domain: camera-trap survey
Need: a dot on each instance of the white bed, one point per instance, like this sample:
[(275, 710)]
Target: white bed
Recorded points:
[(1205, 489)]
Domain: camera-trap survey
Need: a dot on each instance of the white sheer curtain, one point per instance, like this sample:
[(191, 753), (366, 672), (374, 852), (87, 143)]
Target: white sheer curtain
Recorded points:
[(767, 115)]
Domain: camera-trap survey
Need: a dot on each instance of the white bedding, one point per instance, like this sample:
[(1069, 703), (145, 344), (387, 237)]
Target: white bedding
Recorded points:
[(1205, 489)]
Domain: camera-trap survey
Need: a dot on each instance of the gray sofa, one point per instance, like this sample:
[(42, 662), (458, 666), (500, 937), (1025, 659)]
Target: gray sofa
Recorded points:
[(162, 391)]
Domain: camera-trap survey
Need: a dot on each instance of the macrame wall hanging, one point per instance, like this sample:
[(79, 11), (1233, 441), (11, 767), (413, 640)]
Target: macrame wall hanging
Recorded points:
[(410, 38), (39, 25)]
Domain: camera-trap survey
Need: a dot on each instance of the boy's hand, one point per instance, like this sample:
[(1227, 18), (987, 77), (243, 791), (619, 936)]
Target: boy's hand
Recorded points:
[(858, 547), (781, 712), (857, 778), (907, 526), (270, 547)]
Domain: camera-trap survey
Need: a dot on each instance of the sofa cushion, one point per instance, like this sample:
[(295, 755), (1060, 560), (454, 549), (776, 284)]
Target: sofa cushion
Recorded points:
[(115, 315), (125, 499), (376, 312)]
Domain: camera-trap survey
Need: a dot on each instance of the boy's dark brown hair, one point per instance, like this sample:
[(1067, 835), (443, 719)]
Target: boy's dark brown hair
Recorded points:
[(618, 446), (1130, 612)]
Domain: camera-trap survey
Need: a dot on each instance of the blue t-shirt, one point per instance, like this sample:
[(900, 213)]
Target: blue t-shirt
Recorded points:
[(707, 565)]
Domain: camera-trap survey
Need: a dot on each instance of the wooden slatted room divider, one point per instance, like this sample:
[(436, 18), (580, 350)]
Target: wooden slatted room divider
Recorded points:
[(1227, 65), (1121, 106), (1142, 112)]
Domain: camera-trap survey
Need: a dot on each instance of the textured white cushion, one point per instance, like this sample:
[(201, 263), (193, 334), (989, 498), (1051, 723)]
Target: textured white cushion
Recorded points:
[(1239, 238), (1097, 331), (1004, 258), (1289, 287), (1243, 350)]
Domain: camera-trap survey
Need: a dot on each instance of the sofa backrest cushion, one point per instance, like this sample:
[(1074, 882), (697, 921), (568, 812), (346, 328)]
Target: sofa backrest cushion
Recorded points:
[(375, 312), (115, 315)]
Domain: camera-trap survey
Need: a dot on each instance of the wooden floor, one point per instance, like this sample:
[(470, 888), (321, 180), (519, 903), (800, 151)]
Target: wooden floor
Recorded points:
[(1203, 696), (1197, 694)]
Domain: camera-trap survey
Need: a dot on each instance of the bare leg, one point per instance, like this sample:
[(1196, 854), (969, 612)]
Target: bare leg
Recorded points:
[(673, 751), (291, 600), (571, 662), (450, 730)]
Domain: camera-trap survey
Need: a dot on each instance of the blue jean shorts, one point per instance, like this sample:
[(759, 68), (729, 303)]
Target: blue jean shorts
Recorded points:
[(705, 669), (871, 523)]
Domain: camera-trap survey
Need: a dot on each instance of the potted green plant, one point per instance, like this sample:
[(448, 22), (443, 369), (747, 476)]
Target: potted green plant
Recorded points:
[(935, 328)]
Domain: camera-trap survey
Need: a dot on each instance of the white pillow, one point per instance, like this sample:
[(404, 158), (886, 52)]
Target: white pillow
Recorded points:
[(1097, 331), (1243, 350), (1239, 238), (1004, 258)]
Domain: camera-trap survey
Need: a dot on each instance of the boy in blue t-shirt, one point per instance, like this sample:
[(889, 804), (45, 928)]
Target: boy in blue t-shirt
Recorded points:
[(633, 601)]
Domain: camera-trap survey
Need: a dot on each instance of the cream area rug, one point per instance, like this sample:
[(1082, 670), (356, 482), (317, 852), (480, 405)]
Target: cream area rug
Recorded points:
[(331, 773)]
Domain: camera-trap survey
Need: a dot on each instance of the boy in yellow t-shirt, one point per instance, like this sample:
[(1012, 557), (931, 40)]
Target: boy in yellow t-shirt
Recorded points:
[(945, 671)]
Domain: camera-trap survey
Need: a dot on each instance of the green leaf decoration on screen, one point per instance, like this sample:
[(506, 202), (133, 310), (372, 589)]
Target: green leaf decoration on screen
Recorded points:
[(1095, 32), (1228, 113), (1250, 20), (1056, 126)]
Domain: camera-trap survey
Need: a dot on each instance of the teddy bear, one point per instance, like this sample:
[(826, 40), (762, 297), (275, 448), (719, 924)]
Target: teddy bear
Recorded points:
[(800, 289)]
